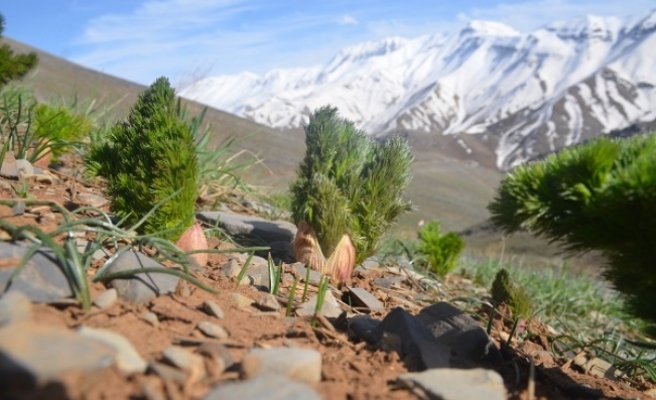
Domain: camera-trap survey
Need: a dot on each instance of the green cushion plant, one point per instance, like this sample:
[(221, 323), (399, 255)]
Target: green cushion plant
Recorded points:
[(599, 196), (347, 193), (440, 251), (148, 158)]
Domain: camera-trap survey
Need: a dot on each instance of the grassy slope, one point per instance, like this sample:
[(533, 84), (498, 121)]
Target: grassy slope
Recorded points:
[(446, 187)]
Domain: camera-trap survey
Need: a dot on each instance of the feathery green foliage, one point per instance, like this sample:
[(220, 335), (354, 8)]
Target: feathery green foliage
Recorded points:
[(595, 196), (147, 158), (220, 169), (439, 251), (59, 125), (13, 66), (349, 183)]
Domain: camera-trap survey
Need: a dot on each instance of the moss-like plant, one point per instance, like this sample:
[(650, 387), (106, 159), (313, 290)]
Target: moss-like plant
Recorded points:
[(147, 158), (439, 251), (505, 291), (348, 192)]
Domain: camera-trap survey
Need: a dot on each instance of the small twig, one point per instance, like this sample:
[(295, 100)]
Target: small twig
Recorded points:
[(325, 323), (531, 379), (413, 280), (334, 336)]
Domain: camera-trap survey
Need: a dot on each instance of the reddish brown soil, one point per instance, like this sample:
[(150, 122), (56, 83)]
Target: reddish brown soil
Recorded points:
[(351, 370)]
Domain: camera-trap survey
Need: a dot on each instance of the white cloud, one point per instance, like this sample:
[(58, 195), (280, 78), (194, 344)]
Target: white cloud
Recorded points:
[(179, 38), (348, 20), (529, 15)]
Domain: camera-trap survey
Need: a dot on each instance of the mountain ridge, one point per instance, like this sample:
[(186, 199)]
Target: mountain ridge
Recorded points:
[(515, 94)]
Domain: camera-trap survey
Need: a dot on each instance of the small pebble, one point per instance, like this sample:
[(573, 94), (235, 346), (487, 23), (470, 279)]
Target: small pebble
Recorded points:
[(151, 318), (268, 302), (213, 330), (242, 302), (106, 298), (186, 361), (213, 309)]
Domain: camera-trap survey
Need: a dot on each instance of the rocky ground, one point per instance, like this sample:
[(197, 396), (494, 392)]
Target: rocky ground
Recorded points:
[(391, 333)]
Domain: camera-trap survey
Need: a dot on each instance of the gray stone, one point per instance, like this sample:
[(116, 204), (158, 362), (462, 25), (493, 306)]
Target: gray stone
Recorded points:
[(15, 307), (361, 297), (389, 282), (239, 225), (83, 245), (141, 287), (100, 254), (266, 387), (213, 309), (301, 272), (8, 169), (127, 358), (329, 309), (106, 298), (267, 301), (42, 279), (93, 200), (18, 208), (455, 384), (469, 343), (257, 272), (213, 330), (24, 167), (294, 363), (400, 331), (242, 302), (30, 354), (370, 263), (187, 361), (259, 276), (255, 260)]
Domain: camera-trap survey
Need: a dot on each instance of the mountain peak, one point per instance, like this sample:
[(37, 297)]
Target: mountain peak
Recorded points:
[(489, 28), (587, 27), (372, 48)]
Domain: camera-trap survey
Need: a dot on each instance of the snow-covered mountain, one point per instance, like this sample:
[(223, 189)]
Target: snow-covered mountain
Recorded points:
[(515, 94)]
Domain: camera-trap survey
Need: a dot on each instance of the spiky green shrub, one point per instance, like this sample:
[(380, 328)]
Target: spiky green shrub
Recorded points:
[(13, 66), (148, 158), (595, 196), (440, 251), (349, 184)]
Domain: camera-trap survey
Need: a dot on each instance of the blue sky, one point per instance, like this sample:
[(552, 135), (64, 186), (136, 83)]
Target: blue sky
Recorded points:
[(140, 40)]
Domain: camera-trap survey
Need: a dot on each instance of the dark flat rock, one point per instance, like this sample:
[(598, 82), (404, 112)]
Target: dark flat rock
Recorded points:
[(402, 332), (469, 342)]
